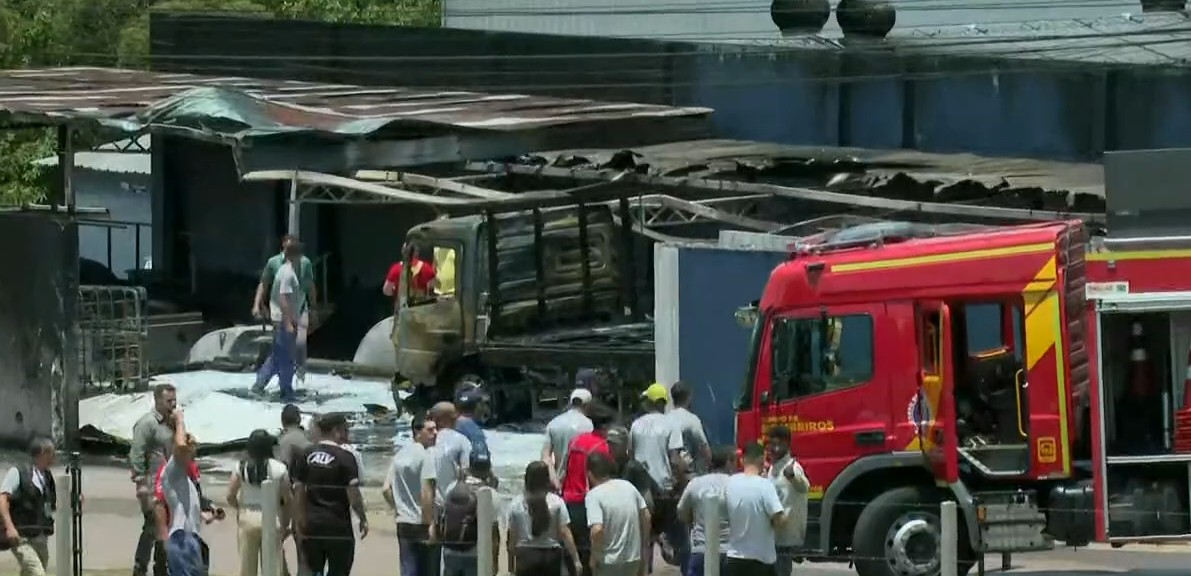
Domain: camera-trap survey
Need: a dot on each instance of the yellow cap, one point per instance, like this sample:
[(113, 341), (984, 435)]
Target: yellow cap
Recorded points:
[(656, 392)]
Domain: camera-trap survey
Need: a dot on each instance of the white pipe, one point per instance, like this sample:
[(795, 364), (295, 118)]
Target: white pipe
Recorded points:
[(485, 519), (712, 515), (949, 533), (63, 527), (270, 529)]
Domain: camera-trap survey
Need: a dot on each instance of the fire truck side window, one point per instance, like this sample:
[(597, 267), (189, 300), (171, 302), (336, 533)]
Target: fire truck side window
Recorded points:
[(817, 355)]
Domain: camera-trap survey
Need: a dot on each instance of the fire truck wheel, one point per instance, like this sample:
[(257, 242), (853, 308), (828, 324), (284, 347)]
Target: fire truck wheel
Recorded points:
[(898, 534)]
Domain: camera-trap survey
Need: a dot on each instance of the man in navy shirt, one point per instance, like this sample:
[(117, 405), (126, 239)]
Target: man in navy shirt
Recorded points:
[(471, 401)]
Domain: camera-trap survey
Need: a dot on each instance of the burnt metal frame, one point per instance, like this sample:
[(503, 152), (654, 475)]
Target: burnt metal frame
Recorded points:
[(806, 194)]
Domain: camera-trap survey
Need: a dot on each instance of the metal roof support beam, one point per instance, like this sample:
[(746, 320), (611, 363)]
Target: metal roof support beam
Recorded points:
[(806, 194), (447, 185), (316, 179)]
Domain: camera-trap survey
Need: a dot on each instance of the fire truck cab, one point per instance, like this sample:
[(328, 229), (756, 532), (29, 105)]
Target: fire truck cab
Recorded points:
[(1036, 376), (915, 364)]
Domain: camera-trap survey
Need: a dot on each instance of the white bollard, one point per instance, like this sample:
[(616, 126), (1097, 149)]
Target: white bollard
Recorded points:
[(63, 527), (712, 515), (270, 529), (949, 534), (485, 518)]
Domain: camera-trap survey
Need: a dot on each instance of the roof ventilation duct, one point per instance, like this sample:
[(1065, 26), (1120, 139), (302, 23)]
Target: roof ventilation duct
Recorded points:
[(799, 17)]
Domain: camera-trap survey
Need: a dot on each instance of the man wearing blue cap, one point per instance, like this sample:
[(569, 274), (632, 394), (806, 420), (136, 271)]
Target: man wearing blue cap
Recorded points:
[(471, 402)]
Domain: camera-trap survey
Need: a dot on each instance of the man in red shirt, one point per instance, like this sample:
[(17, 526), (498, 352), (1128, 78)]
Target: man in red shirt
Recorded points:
[(422, 277), (574, 482)]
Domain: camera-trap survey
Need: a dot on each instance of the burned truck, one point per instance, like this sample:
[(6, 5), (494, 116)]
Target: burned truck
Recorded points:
[(523, 301)]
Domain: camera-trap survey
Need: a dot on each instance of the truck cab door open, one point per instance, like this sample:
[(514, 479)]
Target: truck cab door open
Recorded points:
[(935, 410), (428, 325)]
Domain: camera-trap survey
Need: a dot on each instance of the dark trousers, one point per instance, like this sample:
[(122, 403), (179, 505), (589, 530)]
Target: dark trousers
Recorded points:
[(582, 534), (747, 567), (329, 556), (539, 561), (148, 548), (694, 566), (418, 557)]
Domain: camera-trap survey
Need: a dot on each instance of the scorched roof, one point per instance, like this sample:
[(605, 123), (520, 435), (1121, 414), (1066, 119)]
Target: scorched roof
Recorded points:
[(239, 107)]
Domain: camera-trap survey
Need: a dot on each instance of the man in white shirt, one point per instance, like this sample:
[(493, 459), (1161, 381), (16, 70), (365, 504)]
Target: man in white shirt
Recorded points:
[(699, 492), (403, 492), (618, 518), (288, 310), (28, 499), (754, 513), (561, 430), (792, 487)]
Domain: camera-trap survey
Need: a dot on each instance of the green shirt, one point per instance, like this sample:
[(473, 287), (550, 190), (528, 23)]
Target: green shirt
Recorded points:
[(305, 277)]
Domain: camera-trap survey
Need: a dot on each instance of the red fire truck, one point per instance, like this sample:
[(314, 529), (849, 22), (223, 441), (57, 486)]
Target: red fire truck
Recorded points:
[(1012, 369)]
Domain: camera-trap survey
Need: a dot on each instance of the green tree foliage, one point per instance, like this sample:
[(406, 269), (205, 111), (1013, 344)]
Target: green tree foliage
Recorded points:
[(46, 33)]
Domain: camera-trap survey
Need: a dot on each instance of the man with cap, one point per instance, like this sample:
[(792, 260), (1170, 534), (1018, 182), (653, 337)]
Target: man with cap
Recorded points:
[(471, 402), (655, 442), (561, 430)]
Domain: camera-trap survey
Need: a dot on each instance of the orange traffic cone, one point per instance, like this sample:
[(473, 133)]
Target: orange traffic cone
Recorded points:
[(1141, 375)]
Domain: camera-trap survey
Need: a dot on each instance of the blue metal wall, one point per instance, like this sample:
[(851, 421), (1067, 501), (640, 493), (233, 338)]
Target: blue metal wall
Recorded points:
[(1019, 110), (712, 347)]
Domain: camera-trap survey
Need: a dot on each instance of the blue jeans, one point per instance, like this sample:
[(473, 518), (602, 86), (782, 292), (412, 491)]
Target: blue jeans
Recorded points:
[(418, 558), (694, 565), (184, 555), (279, 363)]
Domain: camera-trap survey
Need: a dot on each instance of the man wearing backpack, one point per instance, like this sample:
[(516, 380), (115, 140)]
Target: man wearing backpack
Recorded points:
[(457, 526)]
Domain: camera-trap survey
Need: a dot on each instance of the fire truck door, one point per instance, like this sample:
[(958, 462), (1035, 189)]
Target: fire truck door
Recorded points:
[(935, 416), (829, 388)]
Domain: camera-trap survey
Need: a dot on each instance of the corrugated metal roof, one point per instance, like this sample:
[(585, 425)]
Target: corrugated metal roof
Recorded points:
[(234, 106), (128, 156), (1158, 38), (117, 162)]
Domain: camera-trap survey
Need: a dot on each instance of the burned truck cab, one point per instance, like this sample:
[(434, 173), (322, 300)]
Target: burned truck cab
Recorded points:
[(1139, 289)]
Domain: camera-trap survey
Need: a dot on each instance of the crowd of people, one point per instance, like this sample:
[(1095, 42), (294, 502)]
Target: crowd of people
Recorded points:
[(598, 501)]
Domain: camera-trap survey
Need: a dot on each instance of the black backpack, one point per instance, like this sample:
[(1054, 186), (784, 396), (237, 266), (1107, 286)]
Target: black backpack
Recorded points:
[(457, 521)]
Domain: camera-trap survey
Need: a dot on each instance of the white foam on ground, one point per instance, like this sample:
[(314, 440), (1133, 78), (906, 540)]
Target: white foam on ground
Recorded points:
[(216, 413)]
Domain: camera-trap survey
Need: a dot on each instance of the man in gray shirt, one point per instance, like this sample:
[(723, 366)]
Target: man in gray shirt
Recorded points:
[(448, 460), (152, 444), (403, 492), (618, 518), (696, 449), (291, 446), (561, 430), (288, 311), (698, 494)]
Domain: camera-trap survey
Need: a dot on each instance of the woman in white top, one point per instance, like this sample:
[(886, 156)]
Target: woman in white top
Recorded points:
[(245, 496), (539, 527)]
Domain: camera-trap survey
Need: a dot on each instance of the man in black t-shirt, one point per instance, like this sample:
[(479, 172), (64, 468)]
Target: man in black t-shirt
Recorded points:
[(327, 482)]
